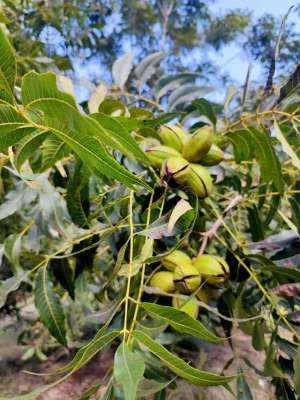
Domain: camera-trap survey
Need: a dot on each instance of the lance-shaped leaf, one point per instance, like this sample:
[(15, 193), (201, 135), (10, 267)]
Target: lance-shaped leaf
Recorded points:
[(253, 143), (77, 195), (8, 67), (147, 67), (42, 86), (13, 127), (123, 140), (187, 93), (28, 145), (121, 69), (171, 82), (87, 352), (49, 306), (181, 321), (53, 150), (129, 369), (180, 367), (83, 134)]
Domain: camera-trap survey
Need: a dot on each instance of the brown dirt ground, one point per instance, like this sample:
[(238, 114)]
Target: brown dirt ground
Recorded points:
[(14, 381)]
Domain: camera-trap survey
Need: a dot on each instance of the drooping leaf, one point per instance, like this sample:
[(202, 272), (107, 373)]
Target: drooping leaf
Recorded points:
[(121, 69), (242, 388), (267, 265), (96, 98), (13, 126), (178, 211), (287, 290), (49, 306), (129, 369), (27, 146), (286, 147), (87, 352), (180, 367), (187, 93), (171, 82), (7, 68), (148, 387), (230, 95), (53, 150), (297, 373), (181, 321), (124, 141), (10, 285), (255, 224), (147, 67), (83, 134), (77, 195), (253, 143), (295, 207), (205, 108)]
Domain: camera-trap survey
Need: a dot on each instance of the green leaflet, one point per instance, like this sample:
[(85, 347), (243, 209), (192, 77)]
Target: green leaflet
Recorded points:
[(297, 373), (123, 140), (53, 150), (8, 67), (129, 369), (43, 86), (171, 82), (80, 132), (28, 145), (187, 93), (180, 367), (77, 196), (243, 389), (56, 113), (48, 304), (89, 350), (68, 125), (13, 126), (181, 321), (253, 143)]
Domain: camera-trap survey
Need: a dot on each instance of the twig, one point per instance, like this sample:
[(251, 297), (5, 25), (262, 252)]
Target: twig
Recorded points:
[(210, 233)]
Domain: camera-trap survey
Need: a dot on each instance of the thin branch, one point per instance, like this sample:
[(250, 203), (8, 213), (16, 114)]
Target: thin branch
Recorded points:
[(211, 232)]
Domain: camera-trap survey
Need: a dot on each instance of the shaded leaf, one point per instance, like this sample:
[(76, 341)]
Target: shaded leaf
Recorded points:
[(171, 82), (147, 67), (187, 93), (253, 143), (121, 69), (96, 98), (178, 211), (205, 108), (297, 373), (48, 304), (242, 388), (286, 147), (77, 195), (124, 141)]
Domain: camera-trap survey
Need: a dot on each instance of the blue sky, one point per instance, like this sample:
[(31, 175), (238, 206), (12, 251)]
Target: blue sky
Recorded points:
[(232, 58)]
